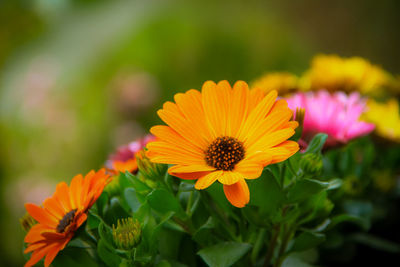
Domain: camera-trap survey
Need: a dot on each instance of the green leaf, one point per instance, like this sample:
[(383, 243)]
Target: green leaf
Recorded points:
[(93, 221), (266, 193), (348, 218), (164, 201), (106, 255), (307, 240), (105, 234), (72, 256), (304, 188), (131, 199), (376, 242), (301, 259), (224, 254), (139, 186), (317, 143)]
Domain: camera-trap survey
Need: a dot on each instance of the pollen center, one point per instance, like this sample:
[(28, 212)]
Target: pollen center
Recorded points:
[(224, 153), (65, 221)]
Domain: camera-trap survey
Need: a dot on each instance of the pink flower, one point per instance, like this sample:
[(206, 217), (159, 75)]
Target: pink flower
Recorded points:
[(125, 157), (335, 114)]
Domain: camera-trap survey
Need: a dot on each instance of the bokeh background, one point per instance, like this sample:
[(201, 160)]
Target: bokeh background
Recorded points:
[(80, 77)]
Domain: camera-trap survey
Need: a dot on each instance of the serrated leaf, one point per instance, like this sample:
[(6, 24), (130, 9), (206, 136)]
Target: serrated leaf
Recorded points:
[(224, 254)]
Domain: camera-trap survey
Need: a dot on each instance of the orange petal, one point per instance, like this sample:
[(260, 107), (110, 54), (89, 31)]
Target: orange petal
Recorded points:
[(270, 140), (189, 175), (52, 254), (37, 255), (35, 233), (273, 122), (41, 215), (229, 177), (283, 151), (257, 114), (216, 102), (183, 127), (169, 135), (62, 195), (75, 191), (240, 103), (190, 168), (191, 105), (238, 194), (53, 207), (207, 180)]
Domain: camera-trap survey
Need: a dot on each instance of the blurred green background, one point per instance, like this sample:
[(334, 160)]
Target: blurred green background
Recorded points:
[(80, 77)]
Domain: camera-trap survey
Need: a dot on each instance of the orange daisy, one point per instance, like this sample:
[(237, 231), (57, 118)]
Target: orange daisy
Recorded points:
[(225, 134), (61, 215)]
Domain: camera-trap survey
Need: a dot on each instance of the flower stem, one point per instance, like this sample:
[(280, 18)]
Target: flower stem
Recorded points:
[(189, 204), (272, 244), (258, 245)]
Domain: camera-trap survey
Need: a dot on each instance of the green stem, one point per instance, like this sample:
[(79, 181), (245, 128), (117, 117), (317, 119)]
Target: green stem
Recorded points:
[(272, 244), (258, 245), (287, 237), (283, 173), (190, 203)]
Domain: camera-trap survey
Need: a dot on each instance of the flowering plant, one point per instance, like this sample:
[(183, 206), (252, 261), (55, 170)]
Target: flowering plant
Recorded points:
[(222, 183)]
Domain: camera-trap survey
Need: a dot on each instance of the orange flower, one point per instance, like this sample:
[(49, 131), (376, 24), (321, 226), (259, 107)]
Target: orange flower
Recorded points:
[(61, 215), (225, 134), (125, 157)]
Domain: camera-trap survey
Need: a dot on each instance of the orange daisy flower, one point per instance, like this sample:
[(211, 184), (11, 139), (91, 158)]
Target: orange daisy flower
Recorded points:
[(61, 215), (225, 134), (125, 157)]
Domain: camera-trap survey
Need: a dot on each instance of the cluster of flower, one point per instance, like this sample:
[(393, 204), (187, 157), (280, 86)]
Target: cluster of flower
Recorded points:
[(228, 134)]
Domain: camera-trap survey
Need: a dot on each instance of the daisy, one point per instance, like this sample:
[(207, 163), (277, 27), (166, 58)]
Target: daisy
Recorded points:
[(335, 73), (223, 134), (61, 215), (337, 115)]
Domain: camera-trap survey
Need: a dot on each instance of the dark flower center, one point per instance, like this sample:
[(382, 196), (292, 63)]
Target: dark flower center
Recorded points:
[(65, 221), (224, 153)]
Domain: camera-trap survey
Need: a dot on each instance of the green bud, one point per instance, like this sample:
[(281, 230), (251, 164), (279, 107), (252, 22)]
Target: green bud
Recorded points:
[(311, 164), (27, 222), (127, 234), (149, 170)]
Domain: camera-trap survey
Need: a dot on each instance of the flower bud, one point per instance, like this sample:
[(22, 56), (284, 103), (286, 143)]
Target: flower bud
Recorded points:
[(127, 234), (299, 117), (311, 163), (148, 169), (27, 222)]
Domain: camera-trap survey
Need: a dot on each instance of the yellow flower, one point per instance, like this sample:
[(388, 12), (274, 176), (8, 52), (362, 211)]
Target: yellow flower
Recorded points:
[(386, 118), (225, 134), (334, 73), (283, 82)]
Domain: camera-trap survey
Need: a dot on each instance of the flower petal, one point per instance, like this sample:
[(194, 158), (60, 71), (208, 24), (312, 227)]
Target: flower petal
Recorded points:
[(238, 194), (207, 180)]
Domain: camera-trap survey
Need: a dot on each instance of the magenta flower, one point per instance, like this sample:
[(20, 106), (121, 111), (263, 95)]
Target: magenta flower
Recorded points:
[(335, 114)]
